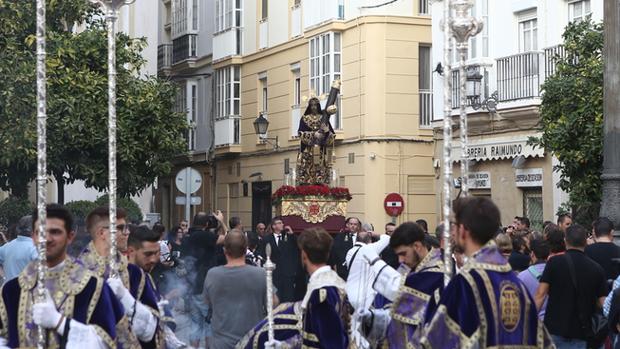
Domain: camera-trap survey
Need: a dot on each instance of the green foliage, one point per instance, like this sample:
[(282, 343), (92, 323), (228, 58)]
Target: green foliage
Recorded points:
[(149, 134), (572, 117), (80, 209), (12, 209), (134, 214)]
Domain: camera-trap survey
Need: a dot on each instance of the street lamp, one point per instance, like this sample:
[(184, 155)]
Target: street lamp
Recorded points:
[(261, 125), (474, 92)]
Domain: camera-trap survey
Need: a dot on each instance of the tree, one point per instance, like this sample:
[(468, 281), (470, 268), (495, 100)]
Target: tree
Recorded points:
[(149, 133), (571, 117)]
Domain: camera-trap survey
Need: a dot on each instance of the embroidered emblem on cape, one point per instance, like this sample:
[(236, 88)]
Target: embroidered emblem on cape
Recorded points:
[(510, 306)]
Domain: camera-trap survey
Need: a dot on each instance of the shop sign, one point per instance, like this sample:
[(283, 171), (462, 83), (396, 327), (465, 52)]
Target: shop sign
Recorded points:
[(479, 180), (529, 177), (497, 149)]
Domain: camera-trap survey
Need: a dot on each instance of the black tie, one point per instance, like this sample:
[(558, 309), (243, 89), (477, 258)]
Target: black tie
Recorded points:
[(279, 239)]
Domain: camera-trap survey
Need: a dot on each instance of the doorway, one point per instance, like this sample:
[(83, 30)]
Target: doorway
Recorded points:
[(261, 203)]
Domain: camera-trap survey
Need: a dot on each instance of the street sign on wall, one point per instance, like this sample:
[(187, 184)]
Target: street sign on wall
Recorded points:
[(394, 204)]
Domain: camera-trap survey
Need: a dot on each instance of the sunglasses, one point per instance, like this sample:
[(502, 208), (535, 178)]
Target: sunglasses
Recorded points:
[(122, 228)]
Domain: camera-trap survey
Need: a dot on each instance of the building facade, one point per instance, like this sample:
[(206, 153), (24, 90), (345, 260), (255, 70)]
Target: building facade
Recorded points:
[(512, 57), (267, 55), (184, 56)]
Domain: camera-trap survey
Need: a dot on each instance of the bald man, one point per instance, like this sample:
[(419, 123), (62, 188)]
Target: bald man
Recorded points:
[(238, 286)]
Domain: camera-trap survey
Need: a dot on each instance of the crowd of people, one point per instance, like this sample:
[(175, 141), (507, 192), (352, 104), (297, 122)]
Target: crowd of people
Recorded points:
[(203, 285)]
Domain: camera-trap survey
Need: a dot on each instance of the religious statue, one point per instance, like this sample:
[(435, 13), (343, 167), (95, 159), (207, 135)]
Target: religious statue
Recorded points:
[(314, 161)]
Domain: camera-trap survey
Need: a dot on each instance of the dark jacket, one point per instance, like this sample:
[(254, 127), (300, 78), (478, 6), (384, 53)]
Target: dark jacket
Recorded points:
[(199, 249)]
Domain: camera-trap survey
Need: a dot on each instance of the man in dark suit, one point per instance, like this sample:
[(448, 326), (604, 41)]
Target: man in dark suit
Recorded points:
[(285, 255), (343, 242)]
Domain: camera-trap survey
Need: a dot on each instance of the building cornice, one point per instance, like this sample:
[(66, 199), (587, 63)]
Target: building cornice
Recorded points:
[(331, 25)]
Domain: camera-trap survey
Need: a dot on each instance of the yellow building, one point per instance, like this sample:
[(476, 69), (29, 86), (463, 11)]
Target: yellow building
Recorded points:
[(384, 139), (237, 59)]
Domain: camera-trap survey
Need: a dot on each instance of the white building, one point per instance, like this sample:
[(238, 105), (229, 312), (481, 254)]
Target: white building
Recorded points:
[(513, 54)]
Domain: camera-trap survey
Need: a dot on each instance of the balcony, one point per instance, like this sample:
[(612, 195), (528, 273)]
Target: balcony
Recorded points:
[(295, 118), (184, 48), (164, 58), (426, 108), (228, 132), (263, 28), (227, 43), (484, 86), (520, 76), (551, 55), (296, 21)]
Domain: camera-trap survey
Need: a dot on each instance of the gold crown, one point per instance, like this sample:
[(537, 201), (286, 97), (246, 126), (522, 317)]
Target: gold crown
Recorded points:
[(313, 95)]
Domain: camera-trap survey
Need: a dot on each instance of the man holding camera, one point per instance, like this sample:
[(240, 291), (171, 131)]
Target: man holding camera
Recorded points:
[(200, 248)]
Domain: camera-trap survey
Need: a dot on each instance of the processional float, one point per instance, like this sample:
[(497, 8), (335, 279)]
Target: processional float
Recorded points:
[(110, 8)]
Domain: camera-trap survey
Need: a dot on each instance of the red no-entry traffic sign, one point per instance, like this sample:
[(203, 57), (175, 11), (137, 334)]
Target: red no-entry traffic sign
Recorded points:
[(394, 204)]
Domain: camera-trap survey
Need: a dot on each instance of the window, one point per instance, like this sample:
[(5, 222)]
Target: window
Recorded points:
[(425, 85), (485, 28), (423, 7), (184, 17), (192, 115), (296, 87), (264, 98), (194, 14), (180, 105), (227, 14), (528, 35), (233, 190), (264, 9), (179, 17), (227, 92), (325, 67), (578, 10), (533, 207)]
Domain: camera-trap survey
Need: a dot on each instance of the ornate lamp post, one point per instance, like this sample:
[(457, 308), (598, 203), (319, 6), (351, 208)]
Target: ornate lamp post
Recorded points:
[(111, 8), (41, 158), (463, 28), (447, 139)]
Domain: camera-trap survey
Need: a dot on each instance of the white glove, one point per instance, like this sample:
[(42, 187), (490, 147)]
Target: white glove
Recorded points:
[(121, 293), (274, 344), (117, 286), (160, 306), (45, 314)]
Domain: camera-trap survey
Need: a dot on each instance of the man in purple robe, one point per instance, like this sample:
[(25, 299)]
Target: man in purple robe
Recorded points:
[(79, 309), (485, 304)]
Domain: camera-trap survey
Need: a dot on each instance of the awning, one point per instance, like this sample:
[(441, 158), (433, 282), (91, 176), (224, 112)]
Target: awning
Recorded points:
[(496, 148)]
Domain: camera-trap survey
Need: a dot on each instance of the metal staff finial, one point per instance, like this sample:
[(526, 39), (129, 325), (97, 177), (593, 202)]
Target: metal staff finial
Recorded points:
[(463, 28), (269, 267), (447, 140), (111, 8), (41, 159)]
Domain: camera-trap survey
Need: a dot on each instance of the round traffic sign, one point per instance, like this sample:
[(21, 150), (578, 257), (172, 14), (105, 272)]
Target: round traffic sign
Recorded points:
[(188, 179), (394, 204)]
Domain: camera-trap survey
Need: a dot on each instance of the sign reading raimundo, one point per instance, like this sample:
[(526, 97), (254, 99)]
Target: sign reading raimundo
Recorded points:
[(497, 149)]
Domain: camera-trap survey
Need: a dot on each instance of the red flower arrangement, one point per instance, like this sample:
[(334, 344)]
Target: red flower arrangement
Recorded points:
[(288, 191)]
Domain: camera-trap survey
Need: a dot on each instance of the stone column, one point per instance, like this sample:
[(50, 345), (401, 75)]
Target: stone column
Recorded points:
[(610, 205)]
